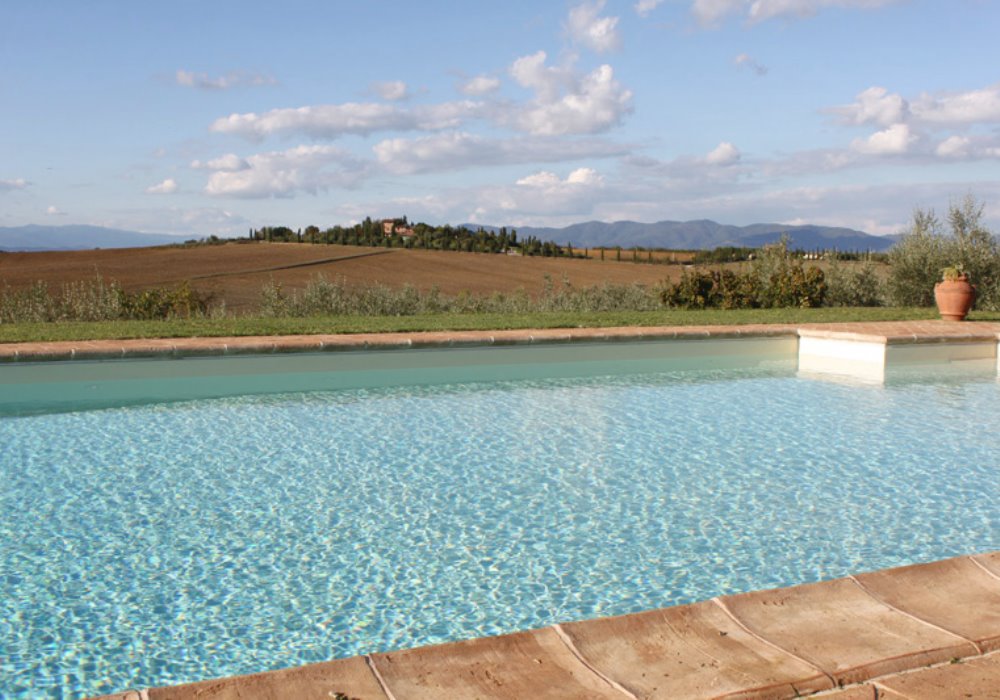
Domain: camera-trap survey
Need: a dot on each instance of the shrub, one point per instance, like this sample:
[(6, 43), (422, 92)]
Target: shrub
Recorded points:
[(926, 249), (774, 279), (96, 300), (854, 285), (322, 297)]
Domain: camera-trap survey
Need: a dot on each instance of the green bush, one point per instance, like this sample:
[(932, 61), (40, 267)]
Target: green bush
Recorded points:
[(854, 285), (321, 297), (97, 300), (774, 279), (927, 248)]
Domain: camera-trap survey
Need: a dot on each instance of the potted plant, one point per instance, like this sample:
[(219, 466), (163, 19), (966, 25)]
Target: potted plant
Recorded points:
[(954, 294)]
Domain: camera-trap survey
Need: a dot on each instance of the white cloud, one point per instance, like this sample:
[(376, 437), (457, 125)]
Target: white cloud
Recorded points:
[(581, 177), (597, 33), (746, 61), (546, 81), (18, 184), (168, 186), (308, 169), (876, 105), (479, 85), (971, 107), (644, 7), (230, 161), (53, 210), (585, 176), (391, 90), (542, 179), (711, 12), (565, 104), (895, 140), (953, 147), (457, 150), (228, 81), (723, 154), (332, 121)]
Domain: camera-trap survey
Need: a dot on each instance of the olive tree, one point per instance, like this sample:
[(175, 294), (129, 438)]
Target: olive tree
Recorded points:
[(928, 246)]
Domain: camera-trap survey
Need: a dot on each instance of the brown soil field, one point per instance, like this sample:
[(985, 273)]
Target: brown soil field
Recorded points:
[(236, 273)]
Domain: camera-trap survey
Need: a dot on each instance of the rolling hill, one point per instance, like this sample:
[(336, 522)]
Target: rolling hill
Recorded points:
[(39, 238), (677, 235), (704, 235)]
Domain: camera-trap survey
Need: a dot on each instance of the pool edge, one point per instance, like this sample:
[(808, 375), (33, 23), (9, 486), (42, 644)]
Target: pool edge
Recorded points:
[(862, 636)]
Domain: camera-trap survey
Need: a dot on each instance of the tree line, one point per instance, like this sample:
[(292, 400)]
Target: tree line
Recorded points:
[(398, 233)]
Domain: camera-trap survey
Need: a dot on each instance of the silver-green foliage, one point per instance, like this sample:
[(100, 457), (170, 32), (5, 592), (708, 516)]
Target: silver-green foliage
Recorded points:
[(854, 284), (917, 260), (323, 297)]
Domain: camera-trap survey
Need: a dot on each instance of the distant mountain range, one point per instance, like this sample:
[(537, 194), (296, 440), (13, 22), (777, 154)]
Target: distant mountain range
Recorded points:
[(678, 235), (38, 238), (703, 235)]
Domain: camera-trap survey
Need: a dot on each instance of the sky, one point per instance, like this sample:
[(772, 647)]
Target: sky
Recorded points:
[(209, 118)]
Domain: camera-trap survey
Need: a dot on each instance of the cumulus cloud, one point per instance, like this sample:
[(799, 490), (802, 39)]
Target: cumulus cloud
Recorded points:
[(953, 147), (711, 12), (565, 103), (228, 81), (230, 162), (332, 121), (53, 210), (746, 61), (18, 184), (168, 186), (580, 177), (308, 169), (644, 7), (723, 154), (391, 90), (588, 28), (896, 140), (546, 81), (876, 105), (971, 107), (458, 150), (479, 85)]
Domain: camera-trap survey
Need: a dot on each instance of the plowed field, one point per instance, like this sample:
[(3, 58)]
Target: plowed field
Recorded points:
[(236, 272)]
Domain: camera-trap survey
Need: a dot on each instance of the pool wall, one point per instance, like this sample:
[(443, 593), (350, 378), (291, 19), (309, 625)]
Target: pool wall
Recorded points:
[(42, 377)]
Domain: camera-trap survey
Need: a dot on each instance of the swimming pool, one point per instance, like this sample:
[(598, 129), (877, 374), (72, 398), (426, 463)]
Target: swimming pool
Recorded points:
[(144, 544)]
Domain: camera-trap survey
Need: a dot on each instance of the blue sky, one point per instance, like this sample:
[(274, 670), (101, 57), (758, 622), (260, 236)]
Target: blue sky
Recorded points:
[(201, 118)]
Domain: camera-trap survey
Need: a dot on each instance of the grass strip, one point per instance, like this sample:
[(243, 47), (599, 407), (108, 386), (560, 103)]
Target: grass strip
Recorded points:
[(244, 326)]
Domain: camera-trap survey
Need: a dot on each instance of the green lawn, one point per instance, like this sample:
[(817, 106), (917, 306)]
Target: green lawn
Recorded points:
[(184, 328)]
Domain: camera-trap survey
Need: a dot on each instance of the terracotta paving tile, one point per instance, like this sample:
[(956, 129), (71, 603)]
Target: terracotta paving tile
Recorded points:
[(989, 561), (350, 677), (854, 692), (535, 664), (843, 630), (691, 651), (954, 594), (889, 332), (972, 678)]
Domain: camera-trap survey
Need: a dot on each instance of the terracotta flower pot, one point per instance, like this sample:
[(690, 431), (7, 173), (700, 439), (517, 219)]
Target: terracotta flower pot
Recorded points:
[(954, 298)]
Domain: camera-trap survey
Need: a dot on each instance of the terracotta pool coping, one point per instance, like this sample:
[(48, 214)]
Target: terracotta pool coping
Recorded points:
[(920, 631), (893, 332)]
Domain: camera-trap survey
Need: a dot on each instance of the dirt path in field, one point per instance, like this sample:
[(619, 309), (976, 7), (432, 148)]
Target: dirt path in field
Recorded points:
[(275, 268)]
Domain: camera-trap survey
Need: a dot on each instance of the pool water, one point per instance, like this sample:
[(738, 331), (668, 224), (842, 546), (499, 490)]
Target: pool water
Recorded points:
[(157, 544)]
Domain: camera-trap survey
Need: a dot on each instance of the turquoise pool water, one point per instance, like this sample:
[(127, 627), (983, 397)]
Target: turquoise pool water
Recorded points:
[(151, 544)]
